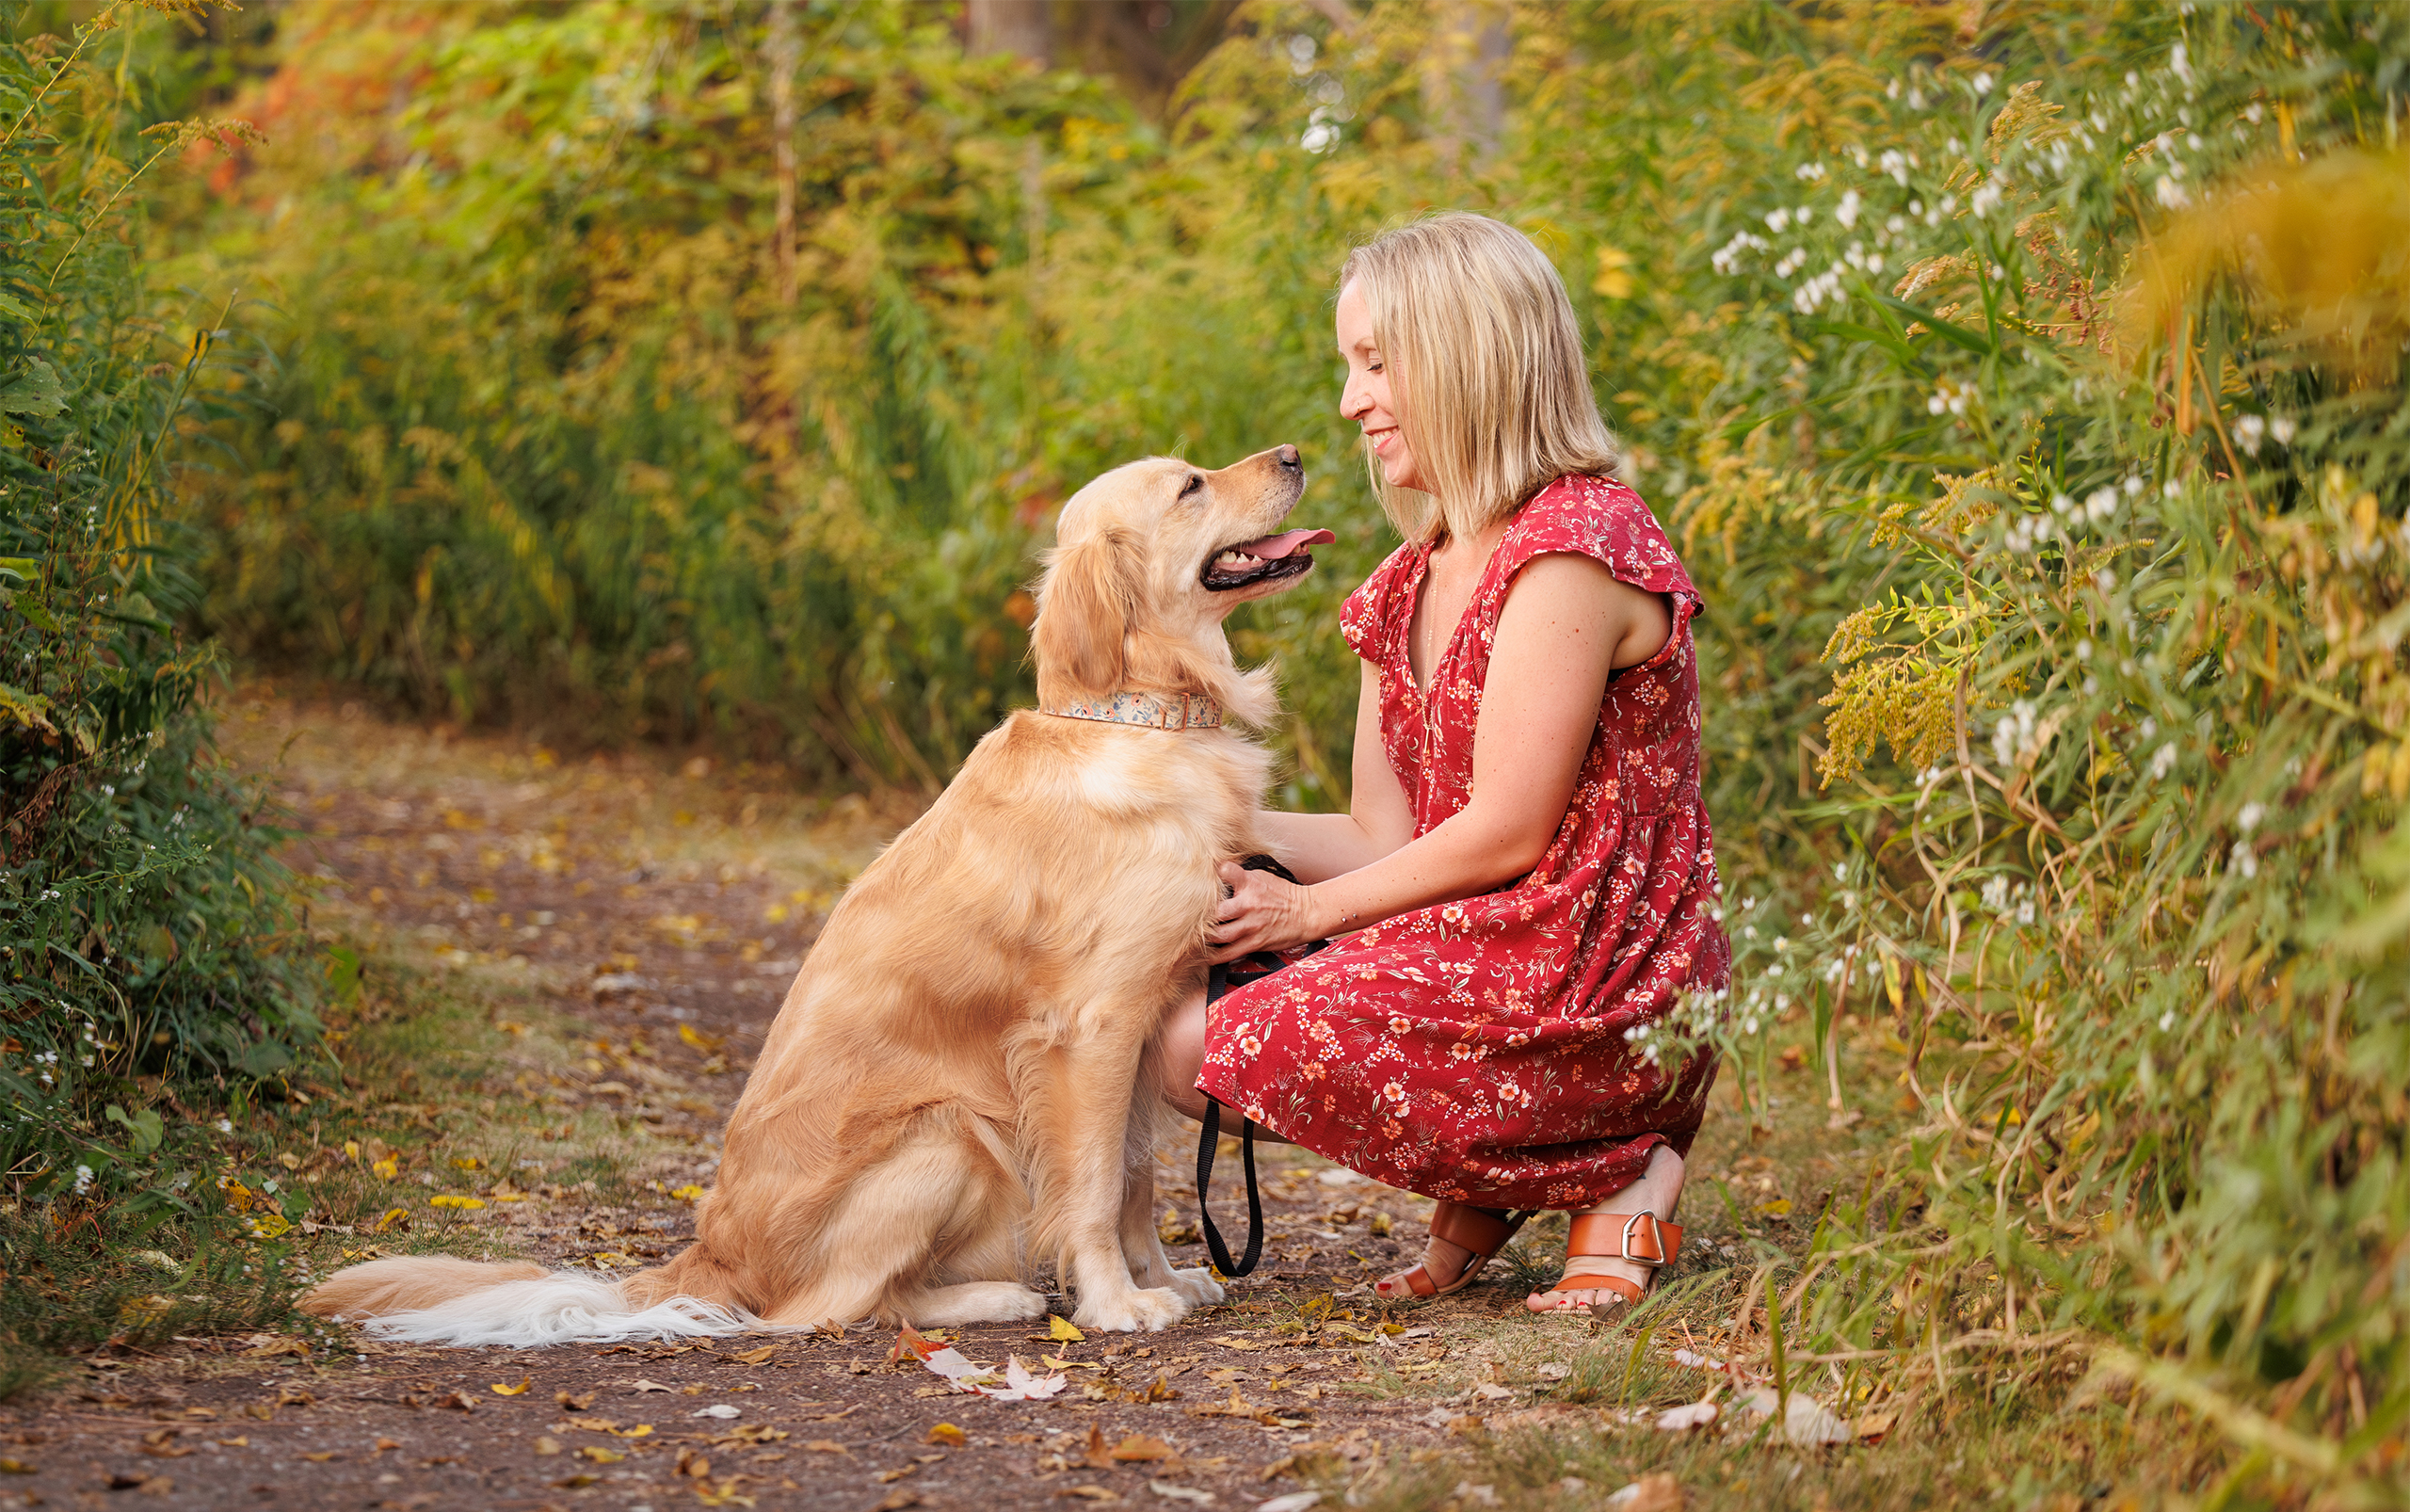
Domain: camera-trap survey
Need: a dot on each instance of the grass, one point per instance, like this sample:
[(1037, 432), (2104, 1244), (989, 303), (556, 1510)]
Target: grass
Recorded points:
[(448, 1074)]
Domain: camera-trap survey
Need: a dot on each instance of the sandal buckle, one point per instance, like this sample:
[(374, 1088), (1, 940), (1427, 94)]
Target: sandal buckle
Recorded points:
[(1631, 1223)]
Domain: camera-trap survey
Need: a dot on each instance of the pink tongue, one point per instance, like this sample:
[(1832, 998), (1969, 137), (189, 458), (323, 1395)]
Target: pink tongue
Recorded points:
[(1272, 548)]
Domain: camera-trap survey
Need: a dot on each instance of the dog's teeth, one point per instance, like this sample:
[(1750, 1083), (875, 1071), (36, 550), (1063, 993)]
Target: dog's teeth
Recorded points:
[(1233, 558)]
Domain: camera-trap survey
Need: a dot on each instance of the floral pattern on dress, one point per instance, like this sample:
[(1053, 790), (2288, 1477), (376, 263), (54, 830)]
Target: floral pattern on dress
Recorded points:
[(1479, 1050)]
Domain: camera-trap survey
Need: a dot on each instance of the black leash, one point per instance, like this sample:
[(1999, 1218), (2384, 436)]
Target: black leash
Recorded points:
[(1205, 1146), (1217, 982)]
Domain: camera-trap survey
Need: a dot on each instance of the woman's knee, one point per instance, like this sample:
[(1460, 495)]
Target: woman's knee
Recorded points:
[(1181, 1054)]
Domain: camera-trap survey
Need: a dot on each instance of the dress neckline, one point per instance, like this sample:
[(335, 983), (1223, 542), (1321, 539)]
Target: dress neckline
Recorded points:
[(1420, 578)]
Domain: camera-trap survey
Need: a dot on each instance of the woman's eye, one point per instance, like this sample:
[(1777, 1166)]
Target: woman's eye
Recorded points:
[(1193, 484)]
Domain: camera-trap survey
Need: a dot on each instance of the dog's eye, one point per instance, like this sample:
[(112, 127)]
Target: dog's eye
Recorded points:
[(1190, 487)]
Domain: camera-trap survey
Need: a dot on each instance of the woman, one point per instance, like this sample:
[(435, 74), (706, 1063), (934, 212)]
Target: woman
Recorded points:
[(1526, 880)]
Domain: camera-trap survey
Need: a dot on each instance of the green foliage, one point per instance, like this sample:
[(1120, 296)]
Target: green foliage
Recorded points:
[(2024, 392), (144, 931)]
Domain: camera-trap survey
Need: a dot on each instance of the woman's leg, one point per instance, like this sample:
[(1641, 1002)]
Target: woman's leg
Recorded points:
[(1178, 1055), (1658, 1191)]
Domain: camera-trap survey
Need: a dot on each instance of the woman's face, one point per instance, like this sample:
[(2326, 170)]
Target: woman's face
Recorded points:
[(1366, 398)]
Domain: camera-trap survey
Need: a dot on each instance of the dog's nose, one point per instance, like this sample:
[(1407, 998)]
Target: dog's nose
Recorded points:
[(1287, 453)]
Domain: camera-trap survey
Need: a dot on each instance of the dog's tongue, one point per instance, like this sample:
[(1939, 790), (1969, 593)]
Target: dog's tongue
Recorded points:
[(1272, 548)]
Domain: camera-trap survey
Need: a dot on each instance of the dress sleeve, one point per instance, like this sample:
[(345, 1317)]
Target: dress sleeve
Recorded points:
[(1603, 519), (1365, 618)]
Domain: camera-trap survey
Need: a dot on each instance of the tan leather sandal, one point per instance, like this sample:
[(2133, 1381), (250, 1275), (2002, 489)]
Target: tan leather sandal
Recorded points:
[(1483, 1231), (1642, 1238)]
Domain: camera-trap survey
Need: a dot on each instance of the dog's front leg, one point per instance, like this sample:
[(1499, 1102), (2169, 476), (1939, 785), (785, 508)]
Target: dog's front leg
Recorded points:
[(1142, 1242), (1088, 1177)]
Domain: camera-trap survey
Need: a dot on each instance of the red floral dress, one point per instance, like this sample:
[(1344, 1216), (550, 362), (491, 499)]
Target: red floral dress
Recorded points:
[(1483, 1051)]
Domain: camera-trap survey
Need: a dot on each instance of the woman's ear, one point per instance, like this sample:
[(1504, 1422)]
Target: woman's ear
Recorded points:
[(1085, 605)]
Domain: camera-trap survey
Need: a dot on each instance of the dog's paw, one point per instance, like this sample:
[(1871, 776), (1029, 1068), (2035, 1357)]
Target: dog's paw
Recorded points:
[(1149, 1309), (976, 1302), (1198, 1286)]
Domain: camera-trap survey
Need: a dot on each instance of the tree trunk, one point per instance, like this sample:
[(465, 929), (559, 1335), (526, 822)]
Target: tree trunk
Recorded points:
[(1464, 94), (782, 47), (1021, 27)]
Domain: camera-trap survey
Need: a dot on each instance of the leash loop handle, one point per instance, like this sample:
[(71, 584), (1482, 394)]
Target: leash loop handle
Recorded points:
[(1206, 1144)]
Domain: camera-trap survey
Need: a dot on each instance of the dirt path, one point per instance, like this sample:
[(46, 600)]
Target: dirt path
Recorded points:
[(660, 911)]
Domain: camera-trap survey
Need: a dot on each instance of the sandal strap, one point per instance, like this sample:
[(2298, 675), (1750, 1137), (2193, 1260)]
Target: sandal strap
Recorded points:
[(1479, 1229), (1616, 1284), (1418, 1281), (1641, 1237)]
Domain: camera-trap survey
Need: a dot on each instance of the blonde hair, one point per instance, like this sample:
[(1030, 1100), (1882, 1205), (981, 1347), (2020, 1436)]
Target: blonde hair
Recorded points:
[(1487, 371)]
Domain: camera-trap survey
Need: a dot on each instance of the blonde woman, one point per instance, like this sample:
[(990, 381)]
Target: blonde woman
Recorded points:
[(1525, 883)]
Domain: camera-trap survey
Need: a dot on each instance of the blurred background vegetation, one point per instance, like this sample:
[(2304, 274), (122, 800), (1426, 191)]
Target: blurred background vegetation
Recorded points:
[(2022, 380)]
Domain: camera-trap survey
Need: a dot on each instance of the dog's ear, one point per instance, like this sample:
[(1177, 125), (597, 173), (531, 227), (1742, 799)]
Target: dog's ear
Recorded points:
[(1084, 608)]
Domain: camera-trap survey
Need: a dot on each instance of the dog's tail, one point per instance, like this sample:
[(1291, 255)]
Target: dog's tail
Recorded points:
[(432, 1300)]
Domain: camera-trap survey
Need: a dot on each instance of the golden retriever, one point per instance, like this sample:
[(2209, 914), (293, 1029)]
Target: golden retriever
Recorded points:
[(952, 1087)]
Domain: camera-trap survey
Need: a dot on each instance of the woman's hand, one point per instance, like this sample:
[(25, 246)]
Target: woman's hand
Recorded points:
[(1262, 912)]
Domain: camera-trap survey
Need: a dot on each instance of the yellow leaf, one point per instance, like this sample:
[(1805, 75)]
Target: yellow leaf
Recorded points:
[(700, 1040), (756, 1356), (1779, 1207), (18, 1467), (267, 1225), (351, 1149), (323, 1456), (948, 1435), (602, 1455), (449, 1201), (467, 1163), (1061, 1328), (391, 1217), (1138, 1447), (547, 1444), (686, 1193), (639, 1431), (500, 1390), (388, 1167), (1613, 281)]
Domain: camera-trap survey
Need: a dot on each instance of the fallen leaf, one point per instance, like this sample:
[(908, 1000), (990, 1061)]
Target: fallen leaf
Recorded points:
[(519, 1390), (383, 1445), (1088, 1493), (948, 1435), (323, 1456), (1018, 1384), (1806, 1421), (260, 1410), (1170, 1492), (692, 1464), (243, 1441), (602, 1455), (1294, 1501), (889, 1476), (699, 1041), (293, 1396), (639, 1431), (267, 1343), (574, 1403), (898, 1500), (756, 1356), (826, 1446), (576, 1483), (1139, 1447), (1874, 1425), (1683, 1419), (644, 1384), (1229, 1342), (391, 1217), (717, 1409), (450, 1199), (388, 1167), (1650, 1493), (17, 1466), (1062, 1330), (460, 1400)]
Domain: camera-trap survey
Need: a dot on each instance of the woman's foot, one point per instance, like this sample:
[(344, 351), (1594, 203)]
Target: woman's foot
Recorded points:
[(1442, 1262), (1659, 1189), (1461, 1238)]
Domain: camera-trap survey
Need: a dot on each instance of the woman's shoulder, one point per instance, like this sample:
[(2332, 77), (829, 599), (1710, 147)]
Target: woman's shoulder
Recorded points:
[(1367, 613), (1602, 518)]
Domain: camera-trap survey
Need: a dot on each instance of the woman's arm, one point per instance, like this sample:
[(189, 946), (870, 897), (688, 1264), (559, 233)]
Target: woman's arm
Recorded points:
[(1319, 846), (1567, 624)]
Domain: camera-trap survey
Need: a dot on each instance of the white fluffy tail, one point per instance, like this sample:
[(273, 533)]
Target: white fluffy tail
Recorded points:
[(430, 1299)]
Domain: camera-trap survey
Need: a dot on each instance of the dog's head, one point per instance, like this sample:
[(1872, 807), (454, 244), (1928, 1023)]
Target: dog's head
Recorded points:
[(1148, 561)]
